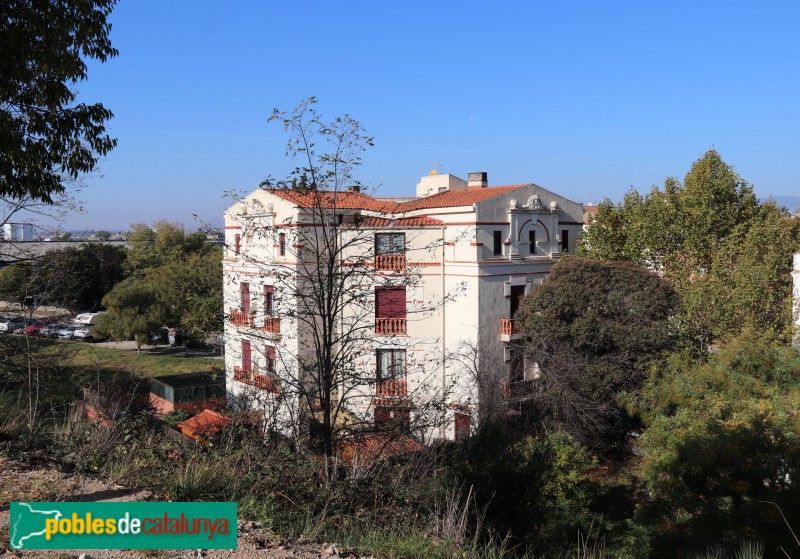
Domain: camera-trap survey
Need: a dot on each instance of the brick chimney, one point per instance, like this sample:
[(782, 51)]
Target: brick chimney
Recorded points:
[(476, 181)]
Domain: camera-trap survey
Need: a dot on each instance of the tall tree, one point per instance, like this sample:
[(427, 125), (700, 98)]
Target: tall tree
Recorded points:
[(324, 275), (681, 222), (45, 137), (722, 444), (594, 329), (176, 279), (727, 256), (77, 278)]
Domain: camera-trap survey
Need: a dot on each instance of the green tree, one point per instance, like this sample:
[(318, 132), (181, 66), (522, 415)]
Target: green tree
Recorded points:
[(536, 488), (726, 256), (182, 274), (15, 282), (133, 312), (77, 278), (722, 438), (746, 286), (681, 222), (165, 242), (594, 329), (45, 136), (191, 292)]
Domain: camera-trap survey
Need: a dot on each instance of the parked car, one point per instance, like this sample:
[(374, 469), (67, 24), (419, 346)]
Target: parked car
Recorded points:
[(66, 332), (50, 329), (82, 332), (17, 324), (32, 329), (4, 320)]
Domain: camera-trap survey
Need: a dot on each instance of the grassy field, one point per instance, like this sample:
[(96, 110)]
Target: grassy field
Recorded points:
[(94, 359), (54, 371)]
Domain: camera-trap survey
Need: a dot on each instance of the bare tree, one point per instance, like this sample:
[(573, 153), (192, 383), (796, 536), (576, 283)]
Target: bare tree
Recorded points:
[(336, 362)]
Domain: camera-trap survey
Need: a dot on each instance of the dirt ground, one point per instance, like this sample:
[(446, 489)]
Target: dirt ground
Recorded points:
[(20, 483)]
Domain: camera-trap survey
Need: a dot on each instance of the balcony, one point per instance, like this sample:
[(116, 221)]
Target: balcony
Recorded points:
[(266, 382), (390, 326), (263, 323), (267, 324), (519, 390), (391, 389), (263, 382), (509, 330), (241, 375), (240, 318), (394, 262)]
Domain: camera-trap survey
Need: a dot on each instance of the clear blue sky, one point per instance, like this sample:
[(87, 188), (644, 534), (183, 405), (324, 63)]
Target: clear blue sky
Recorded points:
[(585, 98)]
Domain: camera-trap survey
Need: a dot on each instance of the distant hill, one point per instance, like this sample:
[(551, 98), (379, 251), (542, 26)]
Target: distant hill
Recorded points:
[(791, 203)]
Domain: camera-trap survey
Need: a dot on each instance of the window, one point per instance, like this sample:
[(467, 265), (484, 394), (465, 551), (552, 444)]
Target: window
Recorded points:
[(282, 244), (390, 251), (393, 418), (390, 243), (463, 421), (269, 359), (238, 243), (565, 240), (498, 243), (391, 364), (532, 241), (269, 300), (244, 292), (390, 302), (247, 357), (390, 311)]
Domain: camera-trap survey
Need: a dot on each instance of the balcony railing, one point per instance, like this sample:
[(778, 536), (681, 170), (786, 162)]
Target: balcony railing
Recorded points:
[(241, 375), (508, 327), (269, 324), (519, 390), (264, 382), (392, 388), (390, 326), (240, 318), (390, 262)]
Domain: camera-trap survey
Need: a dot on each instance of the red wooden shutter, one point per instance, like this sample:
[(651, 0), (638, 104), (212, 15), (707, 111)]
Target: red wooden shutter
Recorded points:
[(247, 356), (463, 421), (269, 352), (282, 244), (382, 415), (269, 299), (238, 242), (390, 302), (245, 290)]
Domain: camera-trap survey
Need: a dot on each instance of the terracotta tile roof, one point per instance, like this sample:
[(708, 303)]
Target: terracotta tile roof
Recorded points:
[(373, 446), (207, 421), (343, 200), (357, 200), (415, 221), (455, 198)]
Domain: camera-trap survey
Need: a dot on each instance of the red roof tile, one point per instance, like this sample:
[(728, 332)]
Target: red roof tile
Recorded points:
[(372, 446), (207, 421), (357, 200), (342, 200), (414, 221), (456, 198)]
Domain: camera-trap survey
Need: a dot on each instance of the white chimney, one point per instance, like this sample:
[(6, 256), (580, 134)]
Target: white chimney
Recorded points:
[(476, 181)]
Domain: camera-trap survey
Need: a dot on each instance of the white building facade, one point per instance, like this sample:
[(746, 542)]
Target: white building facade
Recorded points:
[(445, 273)]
